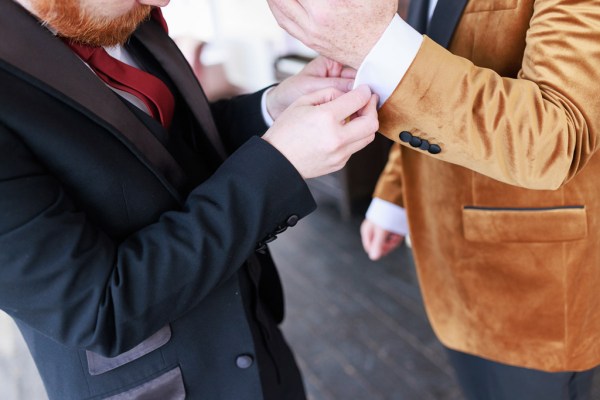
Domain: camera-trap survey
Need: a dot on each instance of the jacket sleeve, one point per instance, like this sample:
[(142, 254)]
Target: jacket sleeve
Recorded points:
[(69, 280), (536, 131), (248, 119)]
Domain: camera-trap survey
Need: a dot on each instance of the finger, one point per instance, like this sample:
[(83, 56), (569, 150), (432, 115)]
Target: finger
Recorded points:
[(319, 67), (324, 67), (349, 103), (348, 72), (288, 8), (368, 112), (290, 15), (366, 235), (364, 126), (370, 109), (392, 241), (334, 68), (342, 84), (378, 242), (318, 97)]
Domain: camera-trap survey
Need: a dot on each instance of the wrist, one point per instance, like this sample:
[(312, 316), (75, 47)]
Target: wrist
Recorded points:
[(272, 106), (267, 117)]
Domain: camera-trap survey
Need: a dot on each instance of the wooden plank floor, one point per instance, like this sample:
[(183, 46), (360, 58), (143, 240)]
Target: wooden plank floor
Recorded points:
[(357, 327)]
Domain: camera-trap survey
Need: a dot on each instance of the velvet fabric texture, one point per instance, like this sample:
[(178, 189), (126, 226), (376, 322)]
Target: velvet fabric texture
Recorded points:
[(504, 220)]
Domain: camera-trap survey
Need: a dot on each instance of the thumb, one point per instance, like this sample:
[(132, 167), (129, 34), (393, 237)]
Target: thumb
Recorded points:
[(319, 97), (349, 103), (341, 84)]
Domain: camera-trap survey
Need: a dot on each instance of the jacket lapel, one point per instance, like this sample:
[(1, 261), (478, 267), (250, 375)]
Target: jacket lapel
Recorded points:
[(417, 14), (152, 36), (444, 20), (25, 42)]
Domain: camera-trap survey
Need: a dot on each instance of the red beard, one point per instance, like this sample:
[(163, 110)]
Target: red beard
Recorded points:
[(73, 22)]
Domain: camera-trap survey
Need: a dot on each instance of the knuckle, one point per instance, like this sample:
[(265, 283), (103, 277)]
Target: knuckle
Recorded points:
[(375, 126), (332, 145)]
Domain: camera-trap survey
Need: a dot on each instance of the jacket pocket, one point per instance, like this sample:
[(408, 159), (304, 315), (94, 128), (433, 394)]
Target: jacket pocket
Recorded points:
[(168, 386), (498, 225), (98, 364), (490, 5)]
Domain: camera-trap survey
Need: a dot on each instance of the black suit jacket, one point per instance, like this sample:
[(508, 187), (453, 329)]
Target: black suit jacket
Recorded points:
[(121, 278)]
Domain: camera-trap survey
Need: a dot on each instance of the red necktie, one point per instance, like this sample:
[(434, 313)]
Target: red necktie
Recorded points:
[(149, 89)]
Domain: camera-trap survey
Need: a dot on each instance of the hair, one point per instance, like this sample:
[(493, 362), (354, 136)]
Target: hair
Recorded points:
[(76, 23)]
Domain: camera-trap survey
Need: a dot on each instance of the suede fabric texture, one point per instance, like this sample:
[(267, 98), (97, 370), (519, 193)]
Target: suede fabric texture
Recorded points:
[(505, 221)]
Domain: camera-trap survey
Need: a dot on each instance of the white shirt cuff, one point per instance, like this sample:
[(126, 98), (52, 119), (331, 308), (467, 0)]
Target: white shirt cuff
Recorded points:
[(387, 62), (388, 216), (263, 107)]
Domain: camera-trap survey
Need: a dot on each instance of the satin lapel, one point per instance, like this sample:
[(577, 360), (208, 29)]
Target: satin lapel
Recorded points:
[(444, 20), (35, 51), (417, 14), (152, 36)]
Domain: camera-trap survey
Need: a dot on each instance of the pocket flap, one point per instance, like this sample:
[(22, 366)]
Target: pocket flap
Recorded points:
[(168, 386), (491, 225), (98, 364)]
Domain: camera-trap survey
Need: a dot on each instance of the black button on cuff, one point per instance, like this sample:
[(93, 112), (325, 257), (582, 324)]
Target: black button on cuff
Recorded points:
[(424, 145), (244, 361), (415, 141), (405, 136), (434, 149), (292, 220), (269, 239), (280, 229)]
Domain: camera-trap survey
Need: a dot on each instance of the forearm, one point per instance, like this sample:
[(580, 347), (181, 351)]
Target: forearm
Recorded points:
[(513, 130), (239, 118), (68, 279), (536, 130), (387, 62)]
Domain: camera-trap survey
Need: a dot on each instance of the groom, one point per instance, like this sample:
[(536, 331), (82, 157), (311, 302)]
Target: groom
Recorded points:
[(135, 216)]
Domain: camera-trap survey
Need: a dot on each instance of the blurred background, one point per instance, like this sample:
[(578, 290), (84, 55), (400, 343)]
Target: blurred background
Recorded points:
[(237, 42), (358, 328)]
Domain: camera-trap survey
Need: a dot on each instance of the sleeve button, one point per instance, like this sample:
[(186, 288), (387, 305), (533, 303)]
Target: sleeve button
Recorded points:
[(244, 361), (269, 239), (434, 149), (280, 229), (415, 141), (292, 220), (405, 136)]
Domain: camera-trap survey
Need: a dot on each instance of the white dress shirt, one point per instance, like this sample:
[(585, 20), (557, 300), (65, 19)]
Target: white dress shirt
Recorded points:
[(121, 54), (383, 69)]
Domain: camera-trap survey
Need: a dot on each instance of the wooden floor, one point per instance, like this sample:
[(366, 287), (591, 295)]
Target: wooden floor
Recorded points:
[(357, 327)]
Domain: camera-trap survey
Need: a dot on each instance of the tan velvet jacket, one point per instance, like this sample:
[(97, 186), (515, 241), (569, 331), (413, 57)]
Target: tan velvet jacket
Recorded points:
[(505, 220)]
